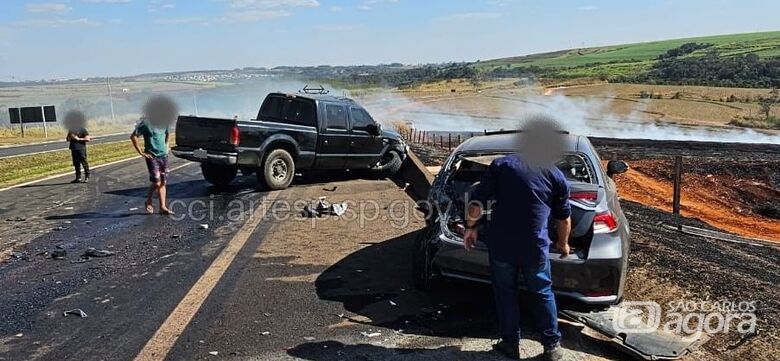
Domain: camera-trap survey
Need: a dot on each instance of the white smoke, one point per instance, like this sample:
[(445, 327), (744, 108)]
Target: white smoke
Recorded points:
[(579, 115)]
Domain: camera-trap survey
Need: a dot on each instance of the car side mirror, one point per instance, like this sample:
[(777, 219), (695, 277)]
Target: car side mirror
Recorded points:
[(616, 167), (374, 129)]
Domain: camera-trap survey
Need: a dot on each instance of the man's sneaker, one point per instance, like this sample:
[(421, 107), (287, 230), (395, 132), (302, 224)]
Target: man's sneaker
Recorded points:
[(77, 180), (86, 180), (555, 353), (509, 349)]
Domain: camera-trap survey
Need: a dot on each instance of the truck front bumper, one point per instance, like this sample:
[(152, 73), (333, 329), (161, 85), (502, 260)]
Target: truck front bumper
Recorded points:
[(203, 156)]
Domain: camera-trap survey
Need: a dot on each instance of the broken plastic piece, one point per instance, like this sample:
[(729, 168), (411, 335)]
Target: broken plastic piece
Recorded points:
[(97, 253), (76, 312)]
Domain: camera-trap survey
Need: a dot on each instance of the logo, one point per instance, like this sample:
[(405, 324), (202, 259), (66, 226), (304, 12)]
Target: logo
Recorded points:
[(637, 317)]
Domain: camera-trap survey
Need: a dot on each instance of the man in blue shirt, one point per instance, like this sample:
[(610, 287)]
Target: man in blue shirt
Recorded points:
[(524, 194)]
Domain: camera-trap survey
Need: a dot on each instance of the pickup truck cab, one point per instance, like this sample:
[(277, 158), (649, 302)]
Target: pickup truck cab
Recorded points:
[(292, 133)]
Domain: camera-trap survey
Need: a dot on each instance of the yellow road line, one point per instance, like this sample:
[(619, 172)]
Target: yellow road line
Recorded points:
[(162, 341)]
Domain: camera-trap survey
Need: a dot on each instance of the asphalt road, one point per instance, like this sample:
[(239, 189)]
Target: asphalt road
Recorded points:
[(261, 283), (52, 146)]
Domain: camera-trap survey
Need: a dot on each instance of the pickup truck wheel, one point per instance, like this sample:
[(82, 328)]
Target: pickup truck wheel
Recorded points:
[(390, 164), (218, 175), (278, 170)]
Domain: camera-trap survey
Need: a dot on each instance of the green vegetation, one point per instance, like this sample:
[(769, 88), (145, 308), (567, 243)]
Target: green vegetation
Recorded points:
[(15, 170), (765, 44), (737, 60)]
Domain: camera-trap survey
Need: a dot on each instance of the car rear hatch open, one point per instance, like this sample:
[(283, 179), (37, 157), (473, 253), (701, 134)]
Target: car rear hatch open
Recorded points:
[(584, 200), (211, 134)]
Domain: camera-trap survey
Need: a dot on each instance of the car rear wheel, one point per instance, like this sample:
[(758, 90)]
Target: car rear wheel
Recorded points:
[(218, 175), (390, 164), (424, 274), (278, 170)]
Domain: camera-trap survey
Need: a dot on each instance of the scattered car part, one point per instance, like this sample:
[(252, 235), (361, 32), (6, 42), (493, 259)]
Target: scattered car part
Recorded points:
[(656, 345)]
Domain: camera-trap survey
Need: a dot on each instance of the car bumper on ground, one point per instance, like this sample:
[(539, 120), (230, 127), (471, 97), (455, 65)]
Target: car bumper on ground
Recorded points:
[(200, 155), (590, 281)]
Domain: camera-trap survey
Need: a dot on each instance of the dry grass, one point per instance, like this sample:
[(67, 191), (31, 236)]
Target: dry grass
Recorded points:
[(15, 170)]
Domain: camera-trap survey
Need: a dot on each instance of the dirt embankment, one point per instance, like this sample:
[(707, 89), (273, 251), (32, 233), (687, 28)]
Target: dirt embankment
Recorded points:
[(733, 187)]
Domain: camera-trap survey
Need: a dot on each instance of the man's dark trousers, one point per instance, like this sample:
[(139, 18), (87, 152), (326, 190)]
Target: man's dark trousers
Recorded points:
[(538, 281), (80, 159)]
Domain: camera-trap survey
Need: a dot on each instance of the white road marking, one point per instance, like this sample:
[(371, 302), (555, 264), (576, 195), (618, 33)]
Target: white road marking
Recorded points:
[(162, 341), (64, 174), (91, 168)]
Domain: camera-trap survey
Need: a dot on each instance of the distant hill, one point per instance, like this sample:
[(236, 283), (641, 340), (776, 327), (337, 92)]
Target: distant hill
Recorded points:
[(630, 59)]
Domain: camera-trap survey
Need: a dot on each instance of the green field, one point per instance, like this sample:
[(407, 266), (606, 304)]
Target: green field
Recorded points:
[(15, 170), (628, 58)]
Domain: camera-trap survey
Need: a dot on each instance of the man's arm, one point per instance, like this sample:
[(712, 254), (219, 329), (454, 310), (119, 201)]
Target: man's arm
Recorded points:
[(561, 212), (476, 206), (134, 139), (564, 230)]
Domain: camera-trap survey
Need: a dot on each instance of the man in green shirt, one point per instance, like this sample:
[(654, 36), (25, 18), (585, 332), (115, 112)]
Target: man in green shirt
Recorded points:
[(155, 153)]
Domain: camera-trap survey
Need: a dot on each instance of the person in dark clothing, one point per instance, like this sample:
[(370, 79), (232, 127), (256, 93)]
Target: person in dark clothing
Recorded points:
[(78, 138), (524, 195)]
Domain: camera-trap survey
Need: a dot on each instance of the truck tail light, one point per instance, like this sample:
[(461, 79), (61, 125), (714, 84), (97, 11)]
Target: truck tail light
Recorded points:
[(235, 136), (604, 222)]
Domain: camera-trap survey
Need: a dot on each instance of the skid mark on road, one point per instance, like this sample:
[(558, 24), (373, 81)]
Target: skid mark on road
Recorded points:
[(162, 341)]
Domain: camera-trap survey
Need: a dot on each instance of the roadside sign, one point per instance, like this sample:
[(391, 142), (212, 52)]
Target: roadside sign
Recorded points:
[(49, 114), (13, 115), (31, 115)]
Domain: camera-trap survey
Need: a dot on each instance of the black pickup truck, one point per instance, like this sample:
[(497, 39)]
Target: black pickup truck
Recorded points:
[(293, 133)]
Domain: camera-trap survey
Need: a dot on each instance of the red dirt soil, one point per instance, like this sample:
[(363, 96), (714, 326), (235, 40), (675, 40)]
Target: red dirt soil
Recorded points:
[(712, 198)]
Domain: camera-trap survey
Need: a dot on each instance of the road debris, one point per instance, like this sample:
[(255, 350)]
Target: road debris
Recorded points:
[(309, 338), (16, 219), (323, 208), (265, 333), (76, 312), (19, 334), (371, 335), (58, 254), (20, 255), (97, 253), (204, 226), (213, 353), (393, 303), (333, 189)]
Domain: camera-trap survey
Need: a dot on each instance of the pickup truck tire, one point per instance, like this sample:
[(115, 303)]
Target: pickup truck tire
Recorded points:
[(390, 164), (278, 170), (218, 175)]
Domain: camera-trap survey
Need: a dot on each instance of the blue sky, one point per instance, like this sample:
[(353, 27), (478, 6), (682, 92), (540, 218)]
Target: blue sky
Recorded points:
[(50, 39)]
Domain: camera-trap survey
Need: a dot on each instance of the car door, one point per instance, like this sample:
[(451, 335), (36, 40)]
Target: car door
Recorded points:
[(365, 149), (333, 149)]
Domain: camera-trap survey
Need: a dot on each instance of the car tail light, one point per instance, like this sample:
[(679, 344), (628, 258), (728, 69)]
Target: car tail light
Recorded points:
[(588, 198), (604, 222), (235, 136)]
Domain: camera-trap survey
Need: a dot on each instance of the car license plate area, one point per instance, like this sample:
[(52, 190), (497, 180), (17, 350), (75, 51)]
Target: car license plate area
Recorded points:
[(200, 154)]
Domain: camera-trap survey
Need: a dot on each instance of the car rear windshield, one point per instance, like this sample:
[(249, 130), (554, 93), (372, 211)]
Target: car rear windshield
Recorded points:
[(574, 166), (289, 111)]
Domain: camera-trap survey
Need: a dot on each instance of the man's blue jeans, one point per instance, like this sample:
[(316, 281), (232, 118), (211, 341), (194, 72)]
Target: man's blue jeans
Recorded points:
[(539, 283)]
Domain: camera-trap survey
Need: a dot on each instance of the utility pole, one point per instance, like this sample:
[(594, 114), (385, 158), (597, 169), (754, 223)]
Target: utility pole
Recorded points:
[(195, 101), (111, 99)]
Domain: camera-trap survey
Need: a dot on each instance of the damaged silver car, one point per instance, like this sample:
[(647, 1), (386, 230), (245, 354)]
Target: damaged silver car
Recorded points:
[(594, 273)]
